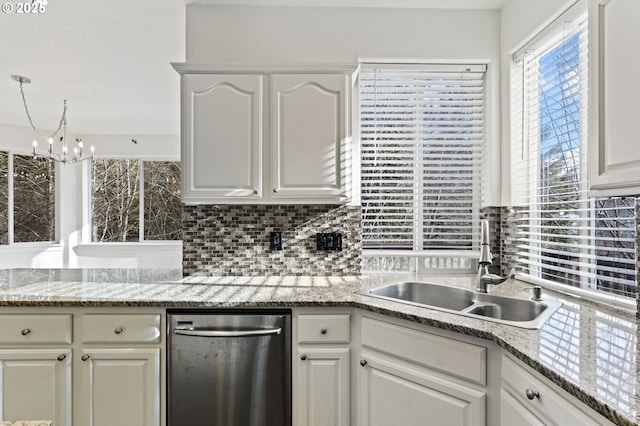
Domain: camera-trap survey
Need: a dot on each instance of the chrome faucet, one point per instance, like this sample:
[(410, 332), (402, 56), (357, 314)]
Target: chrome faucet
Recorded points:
[(484, 277)]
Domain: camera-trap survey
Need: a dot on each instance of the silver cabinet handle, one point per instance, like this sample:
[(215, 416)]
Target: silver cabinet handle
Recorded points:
[(25, 331), (255, 192), (363, 362), (85, 357), (275, 190), (203, 332), (303, 357), (531, 394), (118, 330), (61, 357), (323, 331)]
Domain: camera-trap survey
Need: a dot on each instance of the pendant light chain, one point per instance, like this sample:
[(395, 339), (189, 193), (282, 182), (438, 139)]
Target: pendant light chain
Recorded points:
[(63, 119)]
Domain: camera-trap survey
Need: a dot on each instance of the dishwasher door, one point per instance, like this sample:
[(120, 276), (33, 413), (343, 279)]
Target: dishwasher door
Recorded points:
[(229, 369)]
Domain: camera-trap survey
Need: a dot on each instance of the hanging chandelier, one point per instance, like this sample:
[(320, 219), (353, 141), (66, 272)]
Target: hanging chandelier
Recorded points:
[(64, 156)]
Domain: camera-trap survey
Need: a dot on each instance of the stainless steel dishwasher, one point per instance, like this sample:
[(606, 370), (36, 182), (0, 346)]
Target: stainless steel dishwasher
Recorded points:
[(229, 368)]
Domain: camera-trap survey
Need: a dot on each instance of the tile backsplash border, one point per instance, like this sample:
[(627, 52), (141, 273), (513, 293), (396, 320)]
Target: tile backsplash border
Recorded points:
[(234, 240)]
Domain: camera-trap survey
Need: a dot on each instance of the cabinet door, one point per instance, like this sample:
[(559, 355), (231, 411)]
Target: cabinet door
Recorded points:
[(36, 385), (309, 130), (393, 392), (512, 412), (119, 387), (222, 138), (614, 163), (322, 395)]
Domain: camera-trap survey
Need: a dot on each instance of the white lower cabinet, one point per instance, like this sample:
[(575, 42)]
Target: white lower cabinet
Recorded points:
[(36, 385), (118, 387), (410, 377), (321, 375), (396, 392), (528, 399), (81, 367)]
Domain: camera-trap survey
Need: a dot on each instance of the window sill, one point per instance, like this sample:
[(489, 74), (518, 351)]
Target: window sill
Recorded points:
[(134, 244), (625, 303)]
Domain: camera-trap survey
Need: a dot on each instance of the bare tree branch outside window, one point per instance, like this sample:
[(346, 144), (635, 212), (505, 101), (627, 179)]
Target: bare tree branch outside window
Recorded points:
[(33, 199), (162, 206), (116, 201)]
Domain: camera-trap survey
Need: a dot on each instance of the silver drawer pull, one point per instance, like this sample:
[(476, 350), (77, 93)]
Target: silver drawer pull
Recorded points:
[(85, 357), (25, 331), (323, 331), (118, 330), (531, 394), (61, 357), (303, 357), (204, 332)]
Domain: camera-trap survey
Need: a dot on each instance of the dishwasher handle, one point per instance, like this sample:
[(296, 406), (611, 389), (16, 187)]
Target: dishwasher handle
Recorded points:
[(212, 332)]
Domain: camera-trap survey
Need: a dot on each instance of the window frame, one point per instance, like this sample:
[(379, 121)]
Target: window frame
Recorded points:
[(88, 202), (418, 258), (524, 144), (11, 153)]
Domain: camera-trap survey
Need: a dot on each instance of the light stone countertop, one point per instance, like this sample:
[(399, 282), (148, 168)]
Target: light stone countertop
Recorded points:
[(586, 348)]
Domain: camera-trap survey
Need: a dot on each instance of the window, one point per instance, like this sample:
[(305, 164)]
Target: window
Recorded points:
[(565, 236), (134, 200), (422, 133), (27, 199)]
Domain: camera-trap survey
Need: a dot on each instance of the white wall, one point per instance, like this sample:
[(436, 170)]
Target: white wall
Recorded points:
[(246, 34), (72, 249), (520, 20)]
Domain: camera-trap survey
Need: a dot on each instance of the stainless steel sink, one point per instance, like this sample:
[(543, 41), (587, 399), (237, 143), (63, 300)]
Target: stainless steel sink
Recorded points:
[(520, 312), (420, 293)]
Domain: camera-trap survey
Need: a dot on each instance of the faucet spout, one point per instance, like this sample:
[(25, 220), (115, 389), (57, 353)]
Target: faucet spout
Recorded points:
[(485, 249), (484, 277)]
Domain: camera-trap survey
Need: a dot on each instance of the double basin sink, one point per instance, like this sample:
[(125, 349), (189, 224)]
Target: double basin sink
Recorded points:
[(520, 312)]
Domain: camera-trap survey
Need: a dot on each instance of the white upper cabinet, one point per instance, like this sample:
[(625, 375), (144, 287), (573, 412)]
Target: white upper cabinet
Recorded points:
[(614, 164), (309, 118), (222, 137), (260, 135)]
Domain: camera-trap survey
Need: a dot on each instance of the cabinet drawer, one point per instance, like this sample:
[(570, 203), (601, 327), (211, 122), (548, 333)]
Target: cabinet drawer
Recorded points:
[(547, 402), (465, 360), (19, 328), (114, 328), (323, 328)]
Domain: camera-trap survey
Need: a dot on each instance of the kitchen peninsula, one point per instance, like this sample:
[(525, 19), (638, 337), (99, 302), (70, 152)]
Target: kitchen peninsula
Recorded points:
[(586, 349)]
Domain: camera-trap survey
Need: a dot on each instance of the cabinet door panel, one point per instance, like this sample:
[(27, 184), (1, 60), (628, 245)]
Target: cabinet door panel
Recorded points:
[(394, 392), (513, 412), (309, 119), (614, 164), (36, 385), (222, 137), (322, 396), (119, 387)]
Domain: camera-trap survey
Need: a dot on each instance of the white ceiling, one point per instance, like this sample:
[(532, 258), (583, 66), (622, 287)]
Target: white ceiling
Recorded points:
[(110, 60)]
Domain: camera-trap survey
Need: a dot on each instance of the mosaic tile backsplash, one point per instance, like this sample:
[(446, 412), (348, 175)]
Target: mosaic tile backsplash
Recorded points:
[(234, 240)]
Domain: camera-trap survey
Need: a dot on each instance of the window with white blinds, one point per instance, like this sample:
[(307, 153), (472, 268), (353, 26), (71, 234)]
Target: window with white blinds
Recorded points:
[(564, 236), (422, 133)]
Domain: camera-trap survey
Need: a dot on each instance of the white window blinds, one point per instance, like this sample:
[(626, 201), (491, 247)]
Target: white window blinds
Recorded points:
[(422, 133), (564, 236)]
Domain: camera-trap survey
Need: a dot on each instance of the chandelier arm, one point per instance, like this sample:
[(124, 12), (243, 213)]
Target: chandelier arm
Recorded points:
[(26, 109)]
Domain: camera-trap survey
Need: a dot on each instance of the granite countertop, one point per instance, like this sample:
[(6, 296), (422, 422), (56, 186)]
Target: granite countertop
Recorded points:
[(587, 349)]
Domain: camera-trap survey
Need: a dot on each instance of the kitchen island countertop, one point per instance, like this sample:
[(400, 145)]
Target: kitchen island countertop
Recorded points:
[(587, 349)]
